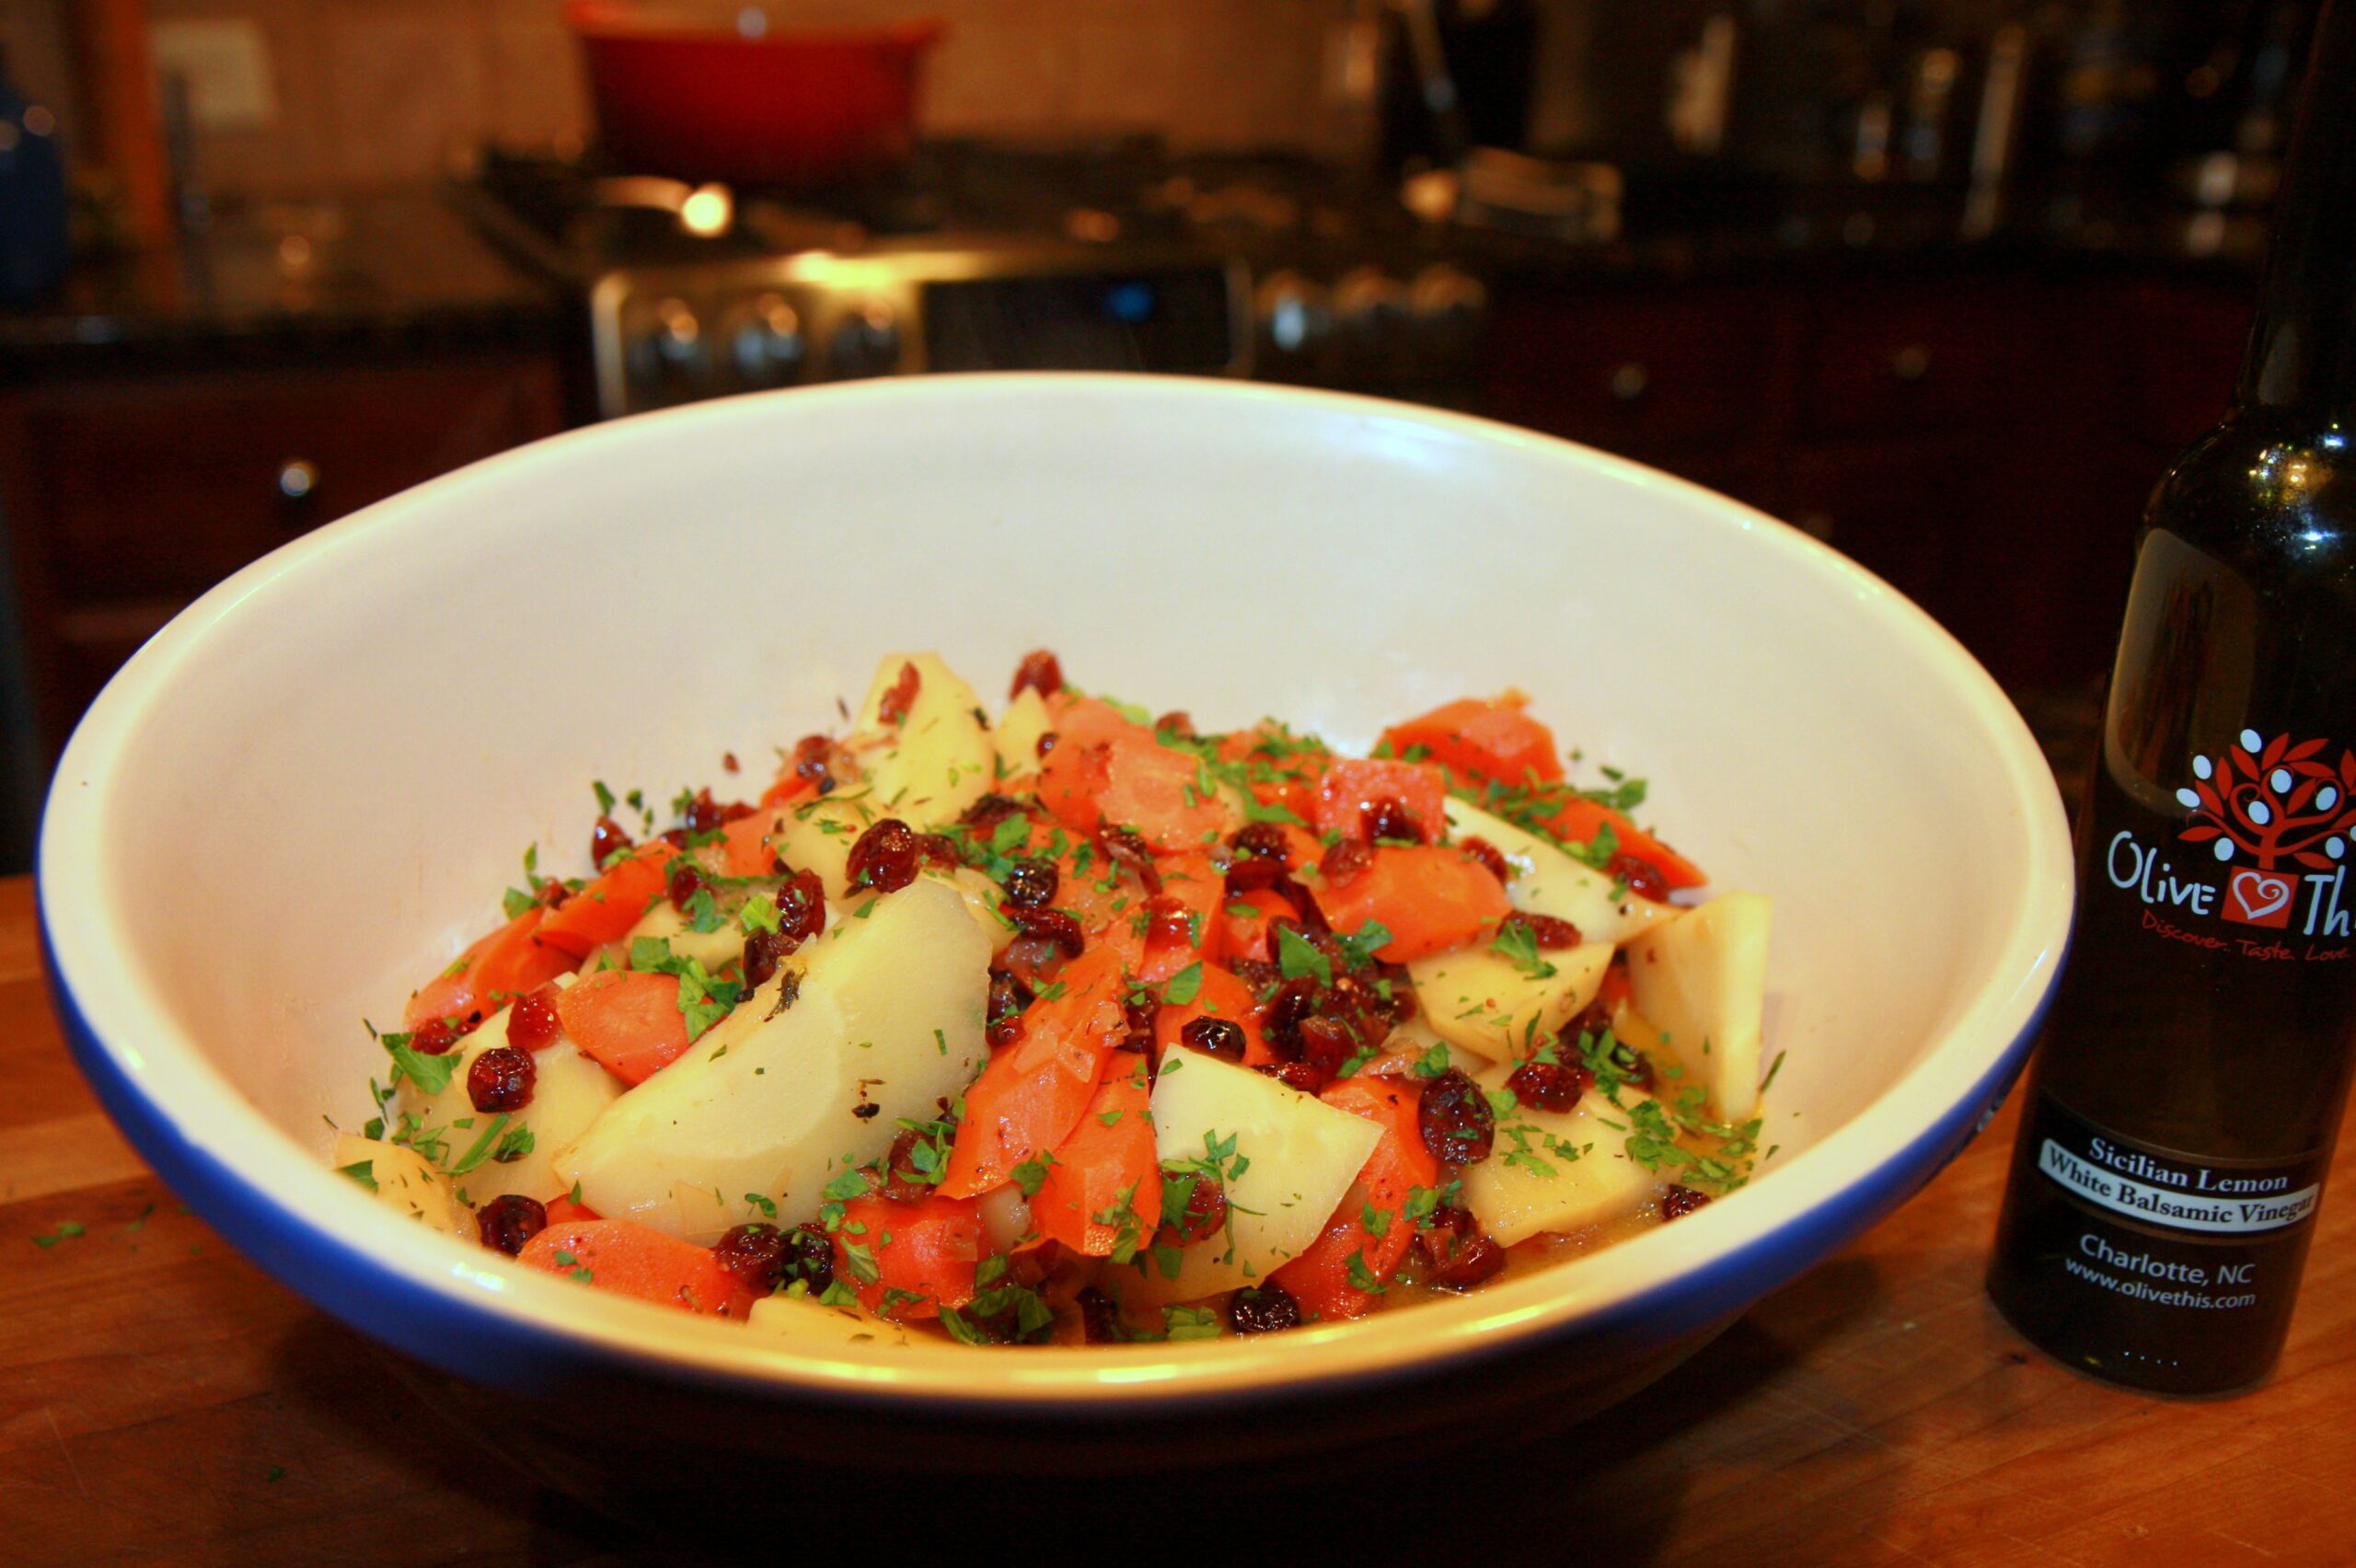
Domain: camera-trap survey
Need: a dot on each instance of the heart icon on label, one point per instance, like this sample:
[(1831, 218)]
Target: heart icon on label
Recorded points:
[(2258, 899)]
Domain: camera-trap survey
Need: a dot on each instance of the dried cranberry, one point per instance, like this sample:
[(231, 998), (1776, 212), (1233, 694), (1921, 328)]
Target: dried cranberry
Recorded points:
[(1281, 1014), (1032, 884), (763, 951), (1345, 862), (1294, 1074), (509, 1220), (1678, 1202), (606, 838), (1039, 672), (728, 763), (1327, 1043), (1009, 997), (686, 878), (1457, 1127), (1404, 1005), (1220, 1037), (884, 859), (735, 811), (501, 1080), (1100, 1316), (1052, 925), (1644, 878), (809, 1258), (938, 849), (1460, 1255), (1249, 873), (1126, 846), (1389, 818), (1491, 858), (1045, 744), (532, 1023), (1178, 722), (703, 814), (756, 1254), (1313, 916), (991, 810), (801, 908), (1550, 1085), (1545, 931), (1169, 923), (892, 706), (1264, 839), (1262, 1310), (814, 760), (1203, 1213), (433, 1036), (903, 1182), (1259, 976)]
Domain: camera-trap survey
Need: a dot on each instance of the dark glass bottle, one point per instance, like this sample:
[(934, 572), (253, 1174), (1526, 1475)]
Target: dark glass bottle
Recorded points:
[(2181, 1115)]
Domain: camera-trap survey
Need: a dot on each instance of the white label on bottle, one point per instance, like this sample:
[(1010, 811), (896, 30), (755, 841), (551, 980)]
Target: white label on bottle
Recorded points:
[(2237, 1213)]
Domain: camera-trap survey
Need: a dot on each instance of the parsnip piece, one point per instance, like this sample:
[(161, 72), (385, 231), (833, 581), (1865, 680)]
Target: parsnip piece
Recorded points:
[(1017, 735), (405, 1183), (1302, 1155), (1547, 882), (800, 1320), (816, 835), (1569, 1170), (569, 1090), (887, 1013), (939, 758), (1702, 980), (1478, 999)]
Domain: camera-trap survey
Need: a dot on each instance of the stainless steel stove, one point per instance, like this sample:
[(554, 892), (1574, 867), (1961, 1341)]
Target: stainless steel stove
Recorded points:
[(993, 257)]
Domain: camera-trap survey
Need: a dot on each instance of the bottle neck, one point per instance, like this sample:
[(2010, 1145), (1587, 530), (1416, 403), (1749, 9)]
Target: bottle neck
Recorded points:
[(2302, 344)]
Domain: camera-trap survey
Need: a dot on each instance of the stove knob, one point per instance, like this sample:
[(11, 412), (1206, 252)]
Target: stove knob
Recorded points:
[(1451, 308), (1371, 314), (865, 343), (1295, 322), (1442, 293), (767, 344), (671, 358)]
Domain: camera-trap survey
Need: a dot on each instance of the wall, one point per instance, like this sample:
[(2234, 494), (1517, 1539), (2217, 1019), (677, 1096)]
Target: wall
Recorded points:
[(373, 91)]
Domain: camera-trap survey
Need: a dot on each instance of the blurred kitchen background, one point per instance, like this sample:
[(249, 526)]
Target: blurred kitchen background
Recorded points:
[(1945, 282)]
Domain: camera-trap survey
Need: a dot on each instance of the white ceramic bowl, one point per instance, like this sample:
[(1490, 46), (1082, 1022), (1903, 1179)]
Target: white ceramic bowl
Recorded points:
[(307, 792)]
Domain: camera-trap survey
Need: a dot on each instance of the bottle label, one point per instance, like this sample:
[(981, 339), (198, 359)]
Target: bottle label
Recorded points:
[(2264, 855), (2172, 1191)]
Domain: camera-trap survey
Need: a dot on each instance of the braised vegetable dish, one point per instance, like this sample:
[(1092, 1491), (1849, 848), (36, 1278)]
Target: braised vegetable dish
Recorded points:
[(1081, 1026)]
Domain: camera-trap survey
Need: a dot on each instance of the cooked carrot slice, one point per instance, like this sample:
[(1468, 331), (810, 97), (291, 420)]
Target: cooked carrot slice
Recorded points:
[(629, 1020), (1033, 1092), (630, 1259), (508, 963), (1102, 1190), (1223, 995), (1336, 1277), (1431, 898), (611, 904), (908, 1261), (1483, 739), (1352, 786)]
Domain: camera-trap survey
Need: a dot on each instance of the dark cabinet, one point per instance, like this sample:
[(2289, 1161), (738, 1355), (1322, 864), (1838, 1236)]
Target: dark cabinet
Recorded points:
[(1983, 442), (127, 498)]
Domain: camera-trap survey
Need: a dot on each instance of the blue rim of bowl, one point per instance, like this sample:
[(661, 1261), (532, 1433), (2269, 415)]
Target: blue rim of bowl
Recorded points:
[(354, 1286)]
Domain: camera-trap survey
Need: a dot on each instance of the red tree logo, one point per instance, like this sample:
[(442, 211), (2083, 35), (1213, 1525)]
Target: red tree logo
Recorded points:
[(2273, 804)]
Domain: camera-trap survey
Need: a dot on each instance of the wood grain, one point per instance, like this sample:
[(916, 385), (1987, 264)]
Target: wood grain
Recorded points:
[(163, 1402)]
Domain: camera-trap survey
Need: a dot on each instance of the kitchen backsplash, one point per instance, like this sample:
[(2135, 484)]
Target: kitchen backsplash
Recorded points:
[(359, 92)]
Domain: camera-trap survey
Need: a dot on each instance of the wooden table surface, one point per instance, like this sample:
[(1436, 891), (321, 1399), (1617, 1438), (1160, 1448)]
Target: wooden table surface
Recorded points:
[(163, 1401)]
